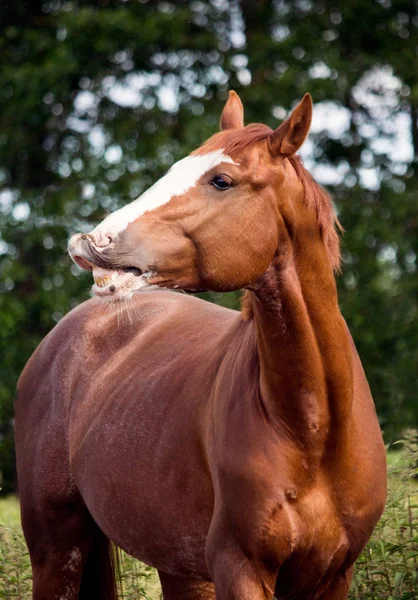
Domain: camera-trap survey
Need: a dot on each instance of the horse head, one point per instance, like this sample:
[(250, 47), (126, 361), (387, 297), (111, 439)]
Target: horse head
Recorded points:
[(215, 221)]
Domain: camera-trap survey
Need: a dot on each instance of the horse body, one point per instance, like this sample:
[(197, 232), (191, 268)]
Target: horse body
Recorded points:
[(149, 452), (236, 452)]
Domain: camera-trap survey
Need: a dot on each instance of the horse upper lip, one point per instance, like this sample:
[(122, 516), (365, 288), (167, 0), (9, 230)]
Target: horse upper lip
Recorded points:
[(84, 253), (88, 256)]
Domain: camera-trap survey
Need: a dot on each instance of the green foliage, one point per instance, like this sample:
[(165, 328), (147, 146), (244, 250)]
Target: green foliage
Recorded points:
[(387, 569), (97, 99), (15, 570), (138, 580)]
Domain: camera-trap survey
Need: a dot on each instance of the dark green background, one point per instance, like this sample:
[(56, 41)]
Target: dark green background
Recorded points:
[(57, 177)]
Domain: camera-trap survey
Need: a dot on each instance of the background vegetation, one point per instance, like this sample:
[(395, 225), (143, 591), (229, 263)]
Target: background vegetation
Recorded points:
[(98, 98)]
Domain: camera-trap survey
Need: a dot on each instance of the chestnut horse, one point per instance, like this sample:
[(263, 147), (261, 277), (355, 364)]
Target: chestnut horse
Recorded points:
[(237, 453)]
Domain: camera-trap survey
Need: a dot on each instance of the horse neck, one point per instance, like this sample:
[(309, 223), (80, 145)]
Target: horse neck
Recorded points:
[(304, 348)]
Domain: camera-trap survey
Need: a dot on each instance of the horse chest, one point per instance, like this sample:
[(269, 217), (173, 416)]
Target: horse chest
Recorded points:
[(317, 544)]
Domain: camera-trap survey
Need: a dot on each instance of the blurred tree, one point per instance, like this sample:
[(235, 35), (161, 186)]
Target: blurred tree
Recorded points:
[(98, 98)]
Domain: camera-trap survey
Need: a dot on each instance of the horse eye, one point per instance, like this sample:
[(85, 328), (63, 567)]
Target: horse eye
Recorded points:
[(220, 183)]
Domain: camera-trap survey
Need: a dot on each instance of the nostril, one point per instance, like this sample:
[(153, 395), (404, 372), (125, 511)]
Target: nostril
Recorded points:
[(102, 239)]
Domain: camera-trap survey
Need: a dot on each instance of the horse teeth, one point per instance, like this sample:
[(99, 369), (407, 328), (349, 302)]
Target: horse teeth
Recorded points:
[(99, 281), (105, 280)]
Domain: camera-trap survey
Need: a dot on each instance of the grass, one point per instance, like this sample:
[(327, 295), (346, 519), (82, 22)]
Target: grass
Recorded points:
[(388, 567), (15, 572), (386, 570)]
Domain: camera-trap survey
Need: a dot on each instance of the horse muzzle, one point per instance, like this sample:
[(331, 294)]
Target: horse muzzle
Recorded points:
[(87, 253), (111, 278)]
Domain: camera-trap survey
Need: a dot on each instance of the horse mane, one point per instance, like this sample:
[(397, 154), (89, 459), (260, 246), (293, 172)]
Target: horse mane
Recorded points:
[(319, 200), (234, 141)]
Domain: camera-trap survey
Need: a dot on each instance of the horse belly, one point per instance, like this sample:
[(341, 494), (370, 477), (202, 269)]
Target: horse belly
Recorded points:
[(150, 494), (163, 537)]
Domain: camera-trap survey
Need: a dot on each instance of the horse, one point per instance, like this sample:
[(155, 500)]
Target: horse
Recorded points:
[(237, 452)]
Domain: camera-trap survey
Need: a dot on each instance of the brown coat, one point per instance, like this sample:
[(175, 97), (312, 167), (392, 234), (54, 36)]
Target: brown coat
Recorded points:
[(238, 453)]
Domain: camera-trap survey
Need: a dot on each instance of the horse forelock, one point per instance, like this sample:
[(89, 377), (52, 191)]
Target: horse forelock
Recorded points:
[(235, 141)]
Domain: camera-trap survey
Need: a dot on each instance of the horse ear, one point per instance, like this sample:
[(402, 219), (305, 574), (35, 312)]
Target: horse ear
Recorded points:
[(290, 135), (233, 113)]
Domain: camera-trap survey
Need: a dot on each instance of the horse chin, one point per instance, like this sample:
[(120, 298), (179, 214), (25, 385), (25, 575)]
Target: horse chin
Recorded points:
[(114, 285)]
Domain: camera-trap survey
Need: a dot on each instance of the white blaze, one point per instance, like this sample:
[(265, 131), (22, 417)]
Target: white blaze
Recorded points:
[(182, 176)]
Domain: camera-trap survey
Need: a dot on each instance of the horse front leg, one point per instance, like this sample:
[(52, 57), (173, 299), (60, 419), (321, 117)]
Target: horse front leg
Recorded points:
[(238, 578), (339, 587), (235, 575), (183, 588)]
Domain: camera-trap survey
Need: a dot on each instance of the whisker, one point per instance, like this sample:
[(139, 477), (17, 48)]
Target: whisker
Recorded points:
[(118, 312), (128, 305)]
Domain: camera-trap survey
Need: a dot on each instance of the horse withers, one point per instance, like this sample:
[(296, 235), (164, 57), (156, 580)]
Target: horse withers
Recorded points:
[(239, 453)]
